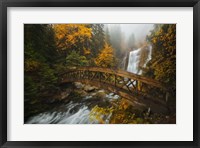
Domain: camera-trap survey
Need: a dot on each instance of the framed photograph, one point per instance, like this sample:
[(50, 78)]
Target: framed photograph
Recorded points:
[(86, 73)]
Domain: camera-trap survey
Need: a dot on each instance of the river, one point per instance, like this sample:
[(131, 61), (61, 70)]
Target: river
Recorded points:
[(79, 112), (76, 111)]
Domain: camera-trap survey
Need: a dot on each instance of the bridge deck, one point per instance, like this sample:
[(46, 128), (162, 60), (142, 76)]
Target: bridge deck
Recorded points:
[(128, 85)]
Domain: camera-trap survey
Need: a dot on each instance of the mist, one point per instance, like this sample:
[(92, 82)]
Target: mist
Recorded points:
[(140, 30), (137, 31)]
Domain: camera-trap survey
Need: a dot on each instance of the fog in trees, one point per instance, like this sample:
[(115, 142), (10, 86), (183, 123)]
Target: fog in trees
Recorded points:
[(100, 73), (128, 36)]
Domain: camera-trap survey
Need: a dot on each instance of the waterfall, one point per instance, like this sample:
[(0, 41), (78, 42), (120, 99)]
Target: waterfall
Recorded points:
[(149, 55), (133, 63), (134, 60)]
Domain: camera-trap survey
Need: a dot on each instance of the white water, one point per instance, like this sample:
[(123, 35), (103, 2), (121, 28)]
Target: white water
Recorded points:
[(66, 117), (149, 56), (134, 59), (71, 113), (76, 113)]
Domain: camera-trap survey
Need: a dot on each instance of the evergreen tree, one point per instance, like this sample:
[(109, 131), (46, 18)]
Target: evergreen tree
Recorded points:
[(107, 35), (98, 38), (116, 40), (75, 59), (40, 53)]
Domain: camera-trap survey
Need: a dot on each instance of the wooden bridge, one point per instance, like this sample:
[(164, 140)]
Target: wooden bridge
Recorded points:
[(135, 88)]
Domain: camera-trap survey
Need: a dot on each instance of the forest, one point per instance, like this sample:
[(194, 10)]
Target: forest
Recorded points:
[(143, 51)]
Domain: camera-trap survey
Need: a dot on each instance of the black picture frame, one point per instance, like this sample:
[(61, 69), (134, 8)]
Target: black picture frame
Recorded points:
[(4, 4)]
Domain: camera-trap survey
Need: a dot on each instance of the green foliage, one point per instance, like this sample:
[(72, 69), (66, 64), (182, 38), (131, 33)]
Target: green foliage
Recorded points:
[(51, 49), (30, 88), (48, 78), (75, 59), (39, 42), (40, 56), (162, 66), (98, 38), (163, 63)]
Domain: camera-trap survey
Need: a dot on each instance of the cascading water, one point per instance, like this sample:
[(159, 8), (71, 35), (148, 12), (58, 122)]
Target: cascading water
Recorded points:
[(79, 113), (134, 59), (71, 113), (67, 117), (133, 63), (149, 55)]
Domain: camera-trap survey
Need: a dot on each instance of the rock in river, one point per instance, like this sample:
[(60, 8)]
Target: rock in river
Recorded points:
[(78, 85), (89, 88)]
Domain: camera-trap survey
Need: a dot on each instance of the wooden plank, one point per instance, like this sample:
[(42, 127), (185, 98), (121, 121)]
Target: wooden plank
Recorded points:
[(121, 92), (124, 74)]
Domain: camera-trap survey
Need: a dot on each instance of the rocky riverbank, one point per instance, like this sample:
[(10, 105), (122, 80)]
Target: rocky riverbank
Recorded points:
[(78, 103)]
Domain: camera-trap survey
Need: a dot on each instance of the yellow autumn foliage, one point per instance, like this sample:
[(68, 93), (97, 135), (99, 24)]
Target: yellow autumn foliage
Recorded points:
[(71, 35), (164, 63), (31, 65), (119, 114), (106, 57), (86, 51), (98, 113)]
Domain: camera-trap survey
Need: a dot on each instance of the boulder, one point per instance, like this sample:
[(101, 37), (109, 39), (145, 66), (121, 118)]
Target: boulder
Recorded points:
[(89, 88), (101, 94), (81, 92), (64, 95), (78, 85)]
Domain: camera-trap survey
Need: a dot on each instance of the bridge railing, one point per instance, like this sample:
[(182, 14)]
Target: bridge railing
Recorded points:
[(129, 82)]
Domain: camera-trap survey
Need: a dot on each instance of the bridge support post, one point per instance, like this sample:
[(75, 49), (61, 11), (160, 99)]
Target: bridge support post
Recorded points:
[(115, 79), (100, 76), (136, 86)]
